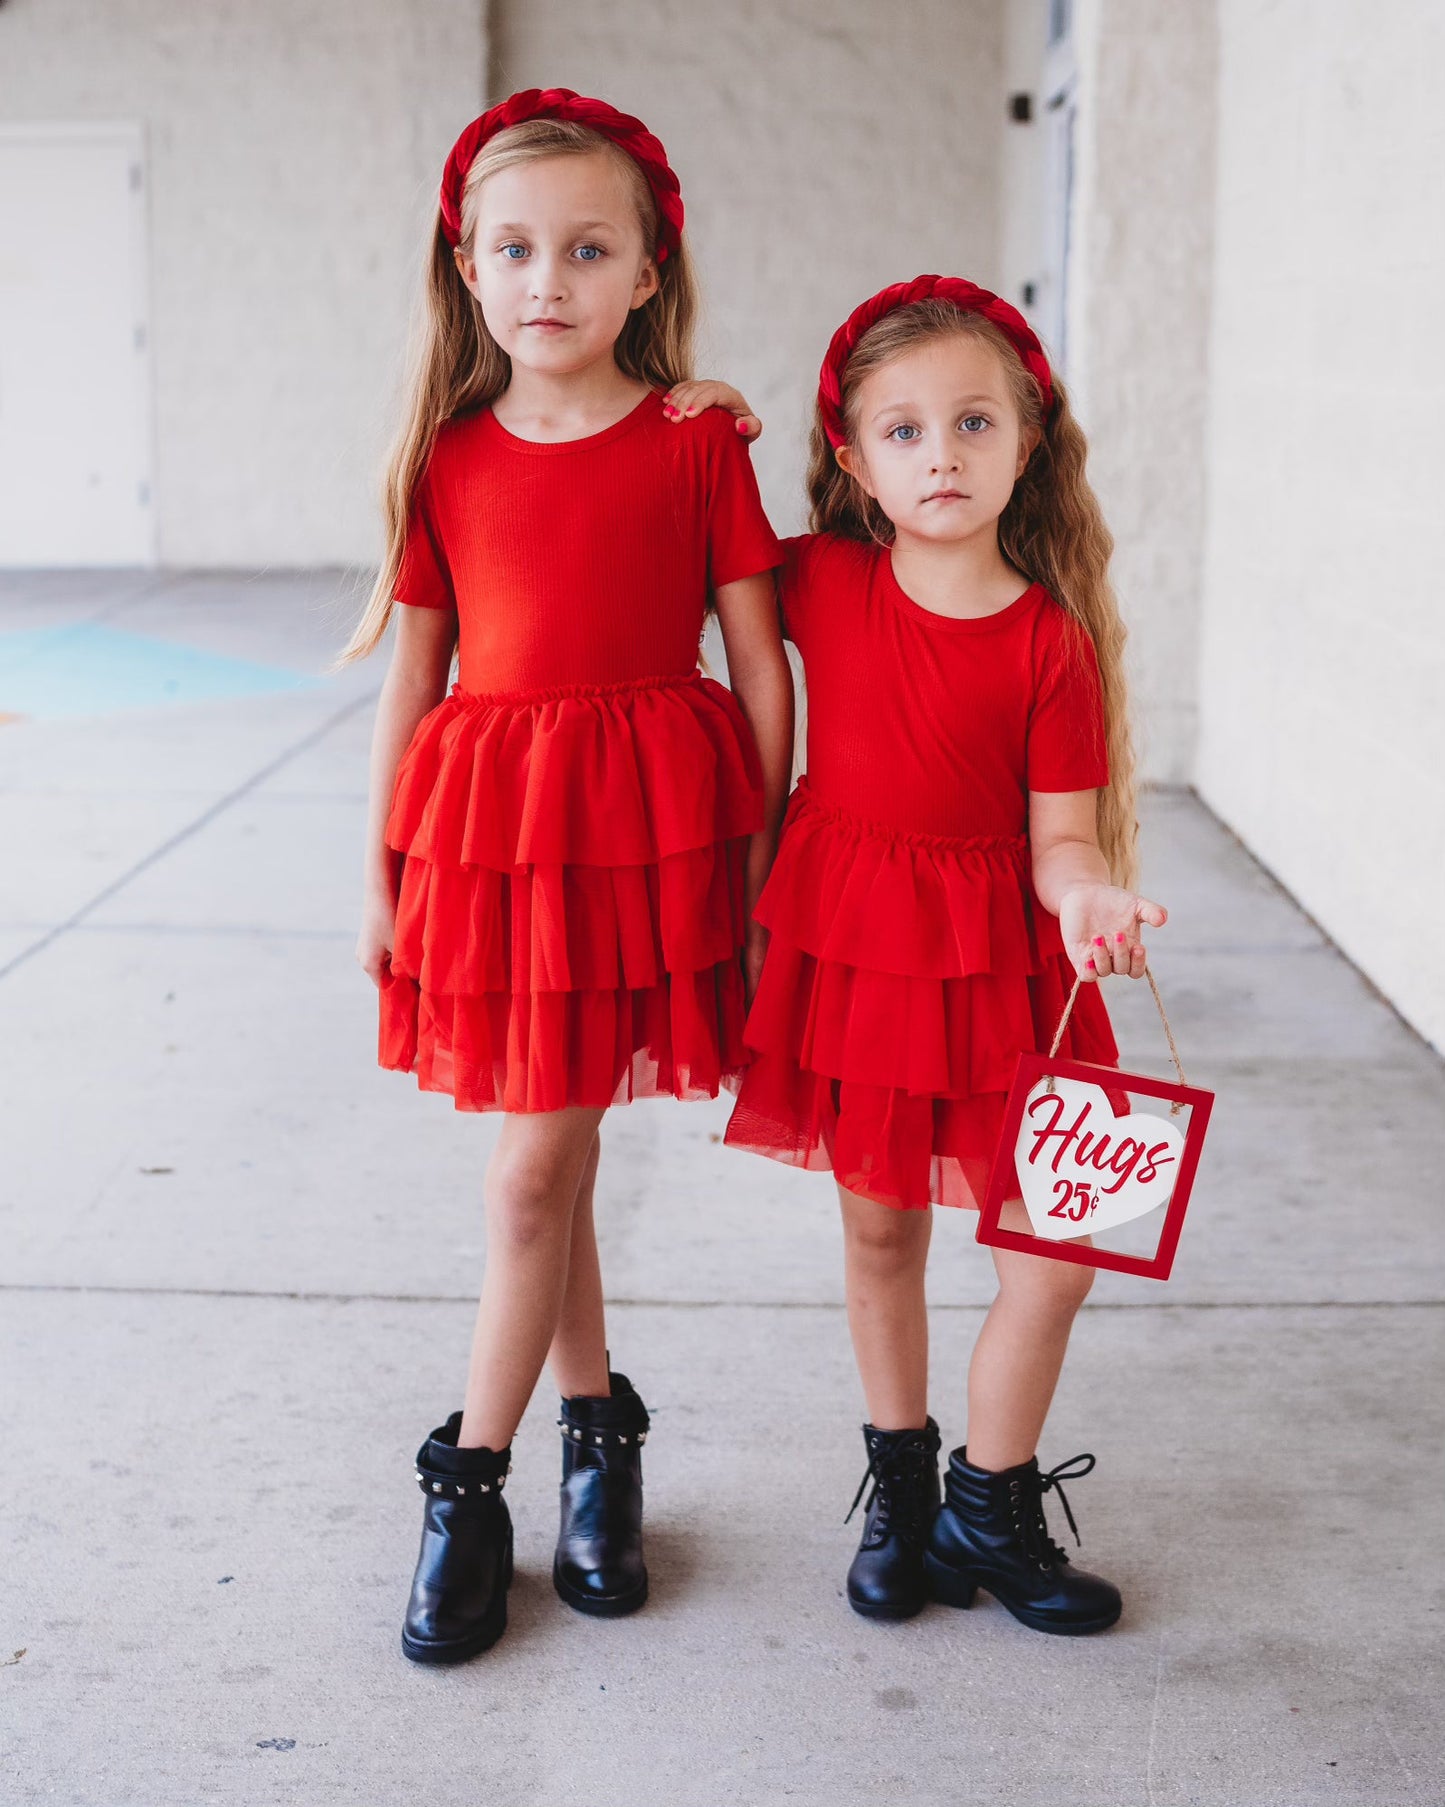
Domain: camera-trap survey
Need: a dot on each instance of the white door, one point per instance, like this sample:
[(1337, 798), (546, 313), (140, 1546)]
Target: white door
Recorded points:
[(75, 437)]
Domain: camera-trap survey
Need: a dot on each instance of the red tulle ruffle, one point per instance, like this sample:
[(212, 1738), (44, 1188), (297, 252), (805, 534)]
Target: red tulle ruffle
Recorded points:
[(904, 976), (570, 901)]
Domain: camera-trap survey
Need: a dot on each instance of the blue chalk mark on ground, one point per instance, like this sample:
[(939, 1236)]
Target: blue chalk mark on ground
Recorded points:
[(48, 674)]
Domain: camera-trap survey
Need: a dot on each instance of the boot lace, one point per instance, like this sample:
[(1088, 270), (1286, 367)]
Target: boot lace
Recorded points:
[(1027, 1499), (899, 1480)]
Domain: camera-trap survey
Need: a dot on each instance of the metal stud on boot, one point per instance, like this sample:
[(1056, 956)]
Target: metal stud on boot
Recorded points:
[(599, 1567), (886, 1579), (458, 1604), (991, 1533)]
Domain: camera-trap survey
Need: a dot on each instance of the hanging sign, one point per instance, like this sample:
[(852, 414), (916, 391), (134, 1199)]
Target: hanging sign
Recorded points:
[(1085, 1162)]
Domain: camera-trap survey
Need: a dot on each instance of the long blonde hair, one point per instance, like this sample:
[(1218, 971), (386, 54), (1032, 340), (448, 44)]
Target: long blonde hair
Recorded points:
[(1052, 530), (455, 365)]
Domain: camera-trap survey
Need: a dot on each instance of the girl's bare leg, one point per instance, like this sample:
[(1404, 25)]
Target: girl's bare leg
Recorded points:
[(532, 1185), (885, 1252), (578, 1356), (1020, 1350)]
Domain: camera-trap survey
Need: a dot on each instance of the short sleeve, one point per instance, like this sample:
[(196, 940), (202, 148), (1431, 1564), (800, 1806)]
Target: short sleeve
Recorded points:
[(1066, 744), (795, 586), (740, 541), (424, 580)]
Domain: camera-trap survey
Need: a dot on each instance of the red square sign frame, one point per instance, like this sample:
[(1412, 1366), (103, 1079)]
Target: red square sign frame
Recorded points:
[(1003, 1183)]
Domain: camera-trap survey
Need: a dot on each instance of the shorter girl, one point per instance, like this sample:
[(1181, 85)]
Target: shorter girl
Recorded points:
[(946, 869)]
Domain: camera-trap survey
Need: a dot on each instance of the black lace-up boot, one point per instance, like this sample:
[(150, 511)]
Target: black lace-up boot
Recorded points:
[(458, 1603), (991, 1533), (886, 1578), (599, 1567)]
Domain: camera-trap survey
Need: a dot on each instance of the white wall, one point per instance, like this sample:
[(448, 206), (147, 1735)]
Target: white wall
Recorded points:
[(825, 149), (1323, 666), (1139, 333), (294, 149)]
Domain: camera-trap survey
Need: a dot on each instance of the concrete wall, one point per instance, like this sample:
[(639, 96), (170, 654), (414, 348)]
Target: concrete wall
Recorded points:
[(294, 147), (1139, 310), (824, 148), (1324, 640)]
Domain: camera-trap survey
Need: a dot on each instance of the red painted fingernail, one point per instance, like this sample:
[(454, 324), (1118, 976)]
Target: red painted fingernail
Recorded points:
[(1118, 937), (1098, 941), (742, 426)]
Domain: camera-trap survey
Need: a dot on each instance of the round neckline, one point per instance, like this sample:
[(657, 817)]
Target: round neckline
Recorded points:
[(968, 624), (548, 448)]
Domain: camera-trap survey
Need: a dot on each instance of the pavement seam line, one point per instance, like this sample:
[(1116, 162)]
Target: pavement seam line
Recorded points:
[(207, 816), (368, 1298)]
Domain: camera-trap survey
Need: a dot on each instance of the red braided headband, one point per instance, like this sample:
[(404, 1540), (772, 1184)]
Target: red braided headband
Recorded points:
[(627, 133), (964, 295)]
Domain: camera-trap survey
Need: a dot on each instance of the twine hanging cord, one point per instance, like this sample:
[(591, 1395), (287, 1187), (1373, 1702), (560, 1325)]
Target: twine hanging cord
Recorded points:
[(1176, 1106)]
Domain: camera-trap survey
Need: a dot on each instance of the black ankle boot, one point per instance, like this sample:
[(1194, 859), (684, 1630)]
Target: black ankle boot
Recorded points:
[(458, 1603), (599, 1567), (886, 1578), (992, 1534)]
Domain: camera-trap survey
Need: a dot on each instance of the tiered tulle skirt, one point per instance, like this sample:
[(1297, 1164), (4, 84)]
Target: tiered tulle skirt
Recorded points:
[(570, 899), (905, 974)]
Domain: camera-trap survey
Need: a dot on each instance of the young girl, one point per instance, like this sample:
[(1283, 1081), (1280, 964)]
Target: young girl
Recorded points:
[(562, 853), (944, 873)]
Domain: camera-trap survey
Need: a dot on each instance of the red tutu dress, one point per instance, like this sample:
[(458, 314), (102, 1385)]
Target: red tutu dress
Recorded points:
[(909, 962), (571, 821)]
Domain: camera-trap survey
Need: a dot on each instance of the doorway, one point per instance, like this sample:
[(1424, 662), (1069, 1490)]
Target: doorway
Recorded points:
[(75, 474)]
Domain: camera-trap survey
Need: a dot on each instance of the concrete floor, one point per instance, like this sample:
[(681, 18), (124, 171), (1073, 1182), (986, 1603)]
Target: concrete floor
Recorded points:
[(238, 1266)]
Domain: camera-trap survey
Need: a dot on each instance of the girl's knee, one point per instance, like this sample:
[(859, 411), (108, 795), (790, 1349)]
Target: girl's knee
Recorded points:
[(1058, 1287), (880, 1238), (525, 1203)]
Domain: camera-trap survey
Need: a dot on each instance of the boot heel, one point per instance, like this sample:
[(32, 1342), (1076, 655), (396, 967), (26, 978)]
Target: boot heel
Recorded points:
[(947, 1585)]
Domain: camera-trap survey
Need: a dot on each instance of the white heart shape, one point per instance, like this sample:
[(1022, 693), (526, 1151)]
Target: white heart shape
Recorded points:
[(1083, 1169)]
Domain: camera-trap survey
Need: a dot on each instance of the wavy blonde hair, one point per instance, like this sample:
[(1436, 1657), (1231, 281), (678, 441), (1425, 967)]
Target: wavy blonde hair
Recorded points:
[(455, 365), (1052, 530)]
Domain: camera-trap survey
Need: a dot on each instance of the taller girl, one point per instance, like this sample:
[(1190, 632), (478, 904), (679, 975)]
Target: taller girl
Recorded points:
[(562, 853)]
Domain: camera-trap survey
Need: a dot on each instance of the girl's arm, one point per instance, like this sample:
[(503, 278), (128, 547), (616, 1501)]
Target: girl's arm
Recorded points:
[(415, 683), (1100, 922), (684, 400), (762, 681)]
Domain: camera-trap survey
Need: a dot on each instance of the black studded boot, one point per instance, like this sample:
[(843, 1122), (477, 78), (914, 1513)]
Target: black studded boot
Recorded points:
[(599, 1567), (991, 1533), (458, 1604), (886, 1578)]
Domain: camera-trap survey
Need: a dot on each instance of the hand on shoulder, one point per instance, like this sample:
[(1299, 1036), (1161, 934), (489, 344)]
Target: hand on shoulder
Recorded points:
[(685, 401)]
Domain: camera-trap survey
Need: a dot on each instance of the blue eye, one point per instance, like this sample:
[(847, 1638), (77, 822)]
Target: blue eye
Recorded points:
[(902, 428), (507, 251), (974, 423)]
